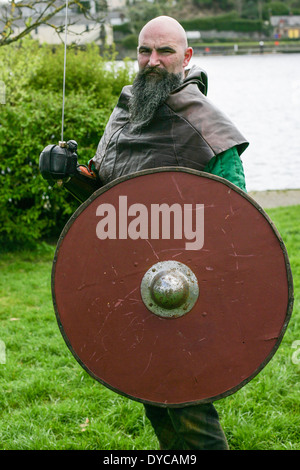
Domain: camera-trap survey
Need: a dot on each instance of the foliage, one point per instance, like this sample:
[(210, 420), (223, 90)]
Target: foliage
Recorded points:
[(275, 8), (242, 16), (221, 4), (247, 7), (19, 19), (130, 41), (227, 22), (31, 120), (141, 11)]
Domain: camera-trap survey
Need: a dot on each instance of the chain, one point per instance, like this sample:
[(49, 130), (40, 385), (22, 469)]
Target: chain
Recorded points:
[(64, 79)]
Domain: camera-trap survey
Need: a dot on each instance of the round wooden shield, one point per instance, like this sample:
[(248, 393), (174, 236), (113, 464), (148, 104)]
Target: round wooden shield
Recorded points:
[(172, 287)]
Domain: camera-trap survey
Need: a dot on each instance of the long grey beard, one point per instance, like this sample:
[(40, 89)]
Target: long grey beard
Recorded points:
[(149, 92)]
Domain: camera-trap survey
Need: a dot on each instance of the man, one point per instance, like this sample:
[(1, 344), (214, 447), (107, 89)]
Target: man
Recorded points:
[(165, 119)]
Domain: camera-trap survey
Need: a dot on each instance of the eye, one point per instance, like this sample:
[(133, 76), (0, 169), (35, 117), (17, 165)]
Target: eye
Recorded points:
[(166, 51), (144, 51)]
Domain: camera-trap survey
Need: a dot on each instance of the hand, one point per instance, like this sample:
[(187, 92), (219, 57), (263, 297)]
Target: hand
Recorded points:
[(58, 162)]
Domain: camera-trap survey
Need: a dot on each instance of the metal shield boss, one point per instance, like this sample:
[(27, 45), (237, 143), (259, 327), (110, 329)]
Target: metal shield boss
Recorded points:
[(172, 287)]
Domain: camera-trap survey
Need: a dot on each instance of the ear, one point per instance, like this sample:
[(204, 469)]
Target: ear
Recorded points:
[(187, 56)]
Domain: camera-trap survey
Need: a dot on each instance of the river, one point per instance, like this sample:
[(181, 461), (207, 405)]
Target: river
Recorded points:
[(261, 94)]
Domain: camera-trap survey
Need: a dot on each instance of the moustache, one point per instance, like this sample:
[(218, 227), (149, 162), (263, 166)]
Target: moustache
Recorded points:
[(154, 71)]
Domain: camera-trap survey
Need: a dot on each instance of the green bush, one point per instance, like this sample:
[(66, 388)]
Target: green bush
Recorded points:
[(31, 119), (130, 42), (275, 8), (124, 28), (227, 22)]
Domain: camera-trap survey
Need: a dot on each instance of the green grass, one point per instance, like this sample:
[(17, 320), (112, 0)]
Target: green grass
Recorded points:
[(47, 401)]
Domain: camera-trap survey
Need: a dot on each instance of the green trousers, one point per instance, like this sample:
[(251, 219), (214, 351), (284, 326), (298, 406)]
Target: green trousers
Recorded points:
[(194, 427)]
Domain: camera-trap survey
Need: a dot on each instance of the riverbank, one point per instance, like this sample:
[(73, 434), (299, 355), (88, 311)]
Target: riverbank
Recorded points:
[(228, 48), (276, 198), (242, 48)]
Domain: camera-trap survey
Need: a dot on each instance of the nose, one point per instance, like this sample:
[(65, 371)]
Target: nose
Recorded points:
[(154, 59)]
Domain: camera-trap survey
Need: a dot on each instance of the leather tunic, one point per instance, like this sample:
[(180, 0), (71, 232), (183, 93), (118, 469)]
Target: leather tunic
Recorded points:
[(187, 130)]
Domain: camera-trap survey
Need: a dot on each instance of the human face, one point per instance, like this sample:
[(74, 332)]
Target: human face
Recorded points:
[(164, 49)]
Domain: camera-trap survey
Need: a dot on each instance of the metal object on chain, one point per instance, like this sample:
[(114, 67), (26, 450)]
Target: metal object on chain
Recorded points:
[(58, 162), (211, 315)]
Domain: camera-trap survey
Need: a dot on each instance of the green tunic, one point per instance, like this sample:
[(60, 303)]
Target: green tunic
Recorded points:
[(228, 165)]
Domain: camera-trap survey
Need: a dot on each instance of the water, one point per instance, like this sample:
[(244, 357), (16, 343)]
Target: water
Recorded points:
[(261, 95)]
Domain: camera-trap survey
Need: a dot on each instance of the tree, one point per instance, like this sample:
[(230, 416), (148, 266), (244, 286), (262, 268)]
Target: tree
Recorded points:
[(20, 18)]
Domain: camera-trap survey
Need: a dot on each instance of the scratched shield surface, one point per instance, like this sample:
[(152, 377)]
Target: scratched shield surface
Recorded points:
[(240, 270)]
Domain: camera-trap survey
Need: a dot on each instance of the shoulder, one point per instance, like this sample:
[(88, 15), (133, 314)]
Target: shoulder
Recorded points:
[(124, 97), (193, 107)]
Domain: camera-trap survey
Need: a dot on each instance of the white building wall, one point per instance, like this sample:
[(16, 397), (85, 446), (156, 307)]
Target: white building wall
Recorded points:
[(116, 4)]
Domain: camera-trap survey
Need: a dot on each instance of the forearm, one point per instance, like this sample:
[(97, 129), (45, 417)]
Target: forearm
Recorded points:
[(228, 165), (58, 164), (83, 184)]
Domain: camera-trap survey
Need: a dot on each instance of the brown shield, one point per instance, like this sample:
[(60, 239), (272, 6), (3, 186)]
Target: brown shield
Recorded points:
[(172, 287)]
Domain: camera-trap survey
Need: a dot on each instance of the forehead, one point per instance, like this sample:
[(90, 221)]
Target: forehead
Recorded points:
[(156, 37)]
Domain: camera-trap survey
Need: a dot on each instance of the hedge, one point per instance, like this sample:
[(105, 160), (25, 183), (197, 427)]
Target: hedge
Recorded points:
[(30, 209), (228, 22)]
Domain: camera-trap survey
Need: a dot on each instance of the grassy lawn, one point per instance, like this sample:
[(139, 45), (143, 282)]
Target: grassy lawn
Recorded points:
[(47, 401)]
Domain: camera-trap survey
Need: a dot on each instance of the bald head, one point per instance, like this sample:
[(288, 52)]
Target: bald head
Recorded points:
[(163, 43), (167, 25)]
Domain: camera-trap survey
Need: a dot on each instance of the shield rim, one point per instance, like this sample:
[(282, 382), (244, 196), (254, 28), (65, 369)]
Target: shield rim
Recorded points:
[(242, 193)]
